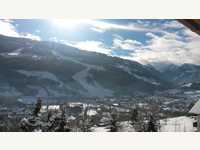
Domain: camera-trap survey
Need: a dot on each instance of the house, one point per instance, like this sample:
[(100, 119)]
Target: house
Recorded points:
[(196, 108), (196, 111)]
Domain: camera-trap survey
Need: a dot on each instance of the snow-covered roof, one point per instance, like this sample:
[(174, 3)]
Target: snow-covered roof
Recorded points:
[(196, 108)]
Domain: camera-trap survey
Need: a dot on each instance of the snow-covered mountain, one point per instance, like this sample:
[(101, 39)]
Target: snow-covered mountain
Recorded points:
[(184, 75), (40, 68)]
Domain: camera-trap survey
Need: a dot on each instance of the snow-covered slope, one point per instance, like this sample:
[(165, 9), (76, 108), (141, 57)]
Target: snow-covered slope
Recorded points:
[(184, 74), (34, 68), (92, 87)]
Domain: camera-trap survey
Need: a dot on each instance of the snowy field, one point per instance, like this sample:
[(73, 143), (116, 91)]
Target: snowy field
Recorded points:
[(124, 126), (100, 129), (177, 124)]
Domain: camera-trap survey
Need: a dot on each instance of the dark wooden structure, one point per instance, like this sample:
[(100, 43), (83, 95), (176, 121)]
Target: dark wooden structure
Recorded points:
[(192, 24)]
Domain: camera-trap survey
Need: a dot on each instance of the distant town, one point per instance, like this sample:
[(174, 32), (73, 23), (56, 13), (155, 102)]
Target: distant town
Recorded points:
[(164, 113)]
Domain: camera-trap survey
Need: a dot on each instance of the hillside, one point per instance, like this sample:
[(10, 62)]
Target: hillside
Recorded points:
[(40, 68)]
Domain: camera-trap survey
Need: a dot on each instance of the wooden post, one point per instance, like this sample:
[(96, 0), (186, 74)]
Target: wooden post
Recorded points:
[(198, 123)]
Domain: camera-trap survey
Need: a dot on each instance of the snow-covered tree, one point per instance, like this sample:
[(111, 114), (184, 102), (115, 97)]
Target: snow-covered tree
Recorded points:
[(151, 124), (38, 107), (134, 116), (85, 120), (114, 126)]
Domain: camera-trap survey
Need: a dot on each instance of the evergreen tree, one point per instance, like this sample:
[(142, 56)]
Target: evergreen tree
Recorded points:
[(85, 120), (151, 125), (134, 116), (114, 124), (38, 107)]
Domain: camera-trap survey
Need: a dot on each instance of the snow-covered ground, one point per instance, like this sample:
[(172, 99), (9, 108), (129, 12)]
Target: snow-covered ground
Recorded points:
[(128, 70), (94, 89), (14, 53), (124, 68), (126, 127), (41, 74), (100, 129), (151, 81), (51, 107), (91, 112), (187, 85), (177, 124)]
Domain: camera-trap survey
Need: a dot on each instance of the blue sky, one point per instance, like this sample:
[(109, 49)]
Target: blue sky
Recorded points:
[(145, 41)]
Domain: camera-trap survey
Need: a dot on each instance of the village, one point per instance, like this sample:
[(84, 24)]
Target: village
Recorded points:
[(138, 114)]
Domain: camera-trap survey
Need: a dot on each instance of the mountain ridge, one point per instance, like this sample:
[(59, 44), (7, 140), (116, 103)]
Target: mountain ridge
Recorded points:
[(29, 68)]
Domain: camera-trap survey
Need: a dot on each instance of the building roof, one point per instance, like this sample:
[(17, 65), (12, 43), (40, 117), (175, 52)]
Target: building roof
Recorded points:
[(196, 108), (192, 24)]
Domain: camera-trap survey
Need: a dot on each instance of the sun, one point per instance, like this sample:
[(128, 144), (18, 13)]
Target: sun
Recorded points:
[(69, 23)]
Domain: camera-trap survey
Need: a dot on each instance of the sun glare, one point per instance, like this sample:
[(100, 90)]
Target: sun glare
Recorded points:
[(69, 23)]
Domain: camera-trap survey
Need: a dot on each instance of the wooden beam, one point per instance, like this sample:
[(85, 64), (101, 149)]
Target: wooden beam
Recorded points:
[(192, 24)]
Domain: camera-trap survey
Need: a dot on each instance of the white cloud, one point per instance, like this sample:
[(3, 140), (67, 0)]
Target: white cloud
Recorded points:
[(182, 46), (102, 26), (177, 47), (189, 35), (138, 26), (125, 44), (54, 39), (30, 36), (97, 29), (8, 29), (37, 31), (94, 46), (169, 48), (100, 47), (165, 42), (172, 24), (151, 35), (98, 25)]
